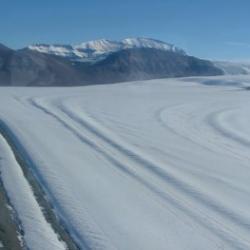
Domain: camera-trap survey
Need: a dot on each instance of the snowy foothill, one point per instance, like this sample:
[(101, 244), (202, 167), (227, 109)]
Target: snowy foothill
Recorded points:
[(160, 164)]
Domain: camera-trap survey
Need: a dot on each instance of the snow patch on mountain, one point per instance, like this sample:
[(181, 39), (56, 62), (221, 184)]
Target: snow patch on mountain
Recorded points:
[(58, 50), (149, 43)]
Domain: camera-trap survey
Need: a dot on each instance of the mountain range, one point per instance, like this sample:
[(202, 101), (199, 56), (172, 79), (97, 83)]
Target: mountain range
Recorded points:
[(98, 62), (99, 49)]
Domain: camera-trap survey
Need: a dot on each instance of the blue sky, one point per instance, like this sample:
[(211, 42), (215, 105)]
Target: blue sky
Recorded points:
[(204, 28)]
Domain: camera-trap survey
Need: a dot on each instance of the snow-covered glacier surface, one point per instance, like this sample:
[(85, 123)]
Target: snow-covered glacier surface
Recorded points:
[(161, 164)]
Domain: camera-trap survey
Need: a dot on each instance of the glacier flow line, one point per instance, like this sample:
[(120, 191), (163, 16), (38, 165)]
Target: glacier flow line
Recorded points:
[(39, 197)]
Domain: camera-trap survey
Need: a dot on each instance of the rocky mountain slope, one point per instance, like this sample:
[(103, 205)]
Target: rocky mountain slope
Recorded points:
[(145, 63), (25, 67)]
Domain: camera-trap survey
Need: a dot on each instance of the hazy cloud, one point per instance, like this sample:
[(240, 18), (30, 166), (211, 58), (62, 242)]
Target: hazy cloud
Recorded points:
[(239, 44)]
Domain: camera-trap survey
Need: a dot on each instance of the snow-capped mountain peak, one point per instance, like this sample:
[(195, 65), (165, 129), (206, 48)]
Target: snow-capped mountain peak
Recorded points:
[(94, 50), (101, 45), (146, 43)]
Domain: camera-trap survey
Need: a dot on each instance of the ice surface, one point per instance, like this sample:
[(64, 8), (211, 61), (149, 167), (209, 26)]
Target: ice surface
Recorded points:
[(161, 164)]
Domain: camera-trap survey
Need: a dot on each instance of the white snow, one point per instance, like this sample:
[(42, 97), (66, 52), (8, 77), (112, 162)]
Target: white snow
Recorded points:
[(93, 50), (59, 50), (100, 46), (161, 164), (149, 43)]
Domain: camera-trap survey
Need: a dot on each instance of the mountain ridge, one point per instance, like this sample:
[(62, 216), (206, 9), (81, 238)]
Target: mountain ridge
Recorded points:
[(147, 63), (103, 61), (98, 49)]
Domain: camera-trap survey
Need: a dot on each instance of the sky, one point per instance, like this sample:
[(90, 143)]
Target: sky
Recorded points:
[(204, 28)]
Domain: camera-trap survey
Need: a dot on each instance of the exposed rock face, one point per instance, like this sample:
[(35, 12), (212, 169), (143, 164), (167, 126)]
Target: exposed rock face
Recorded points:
[(146, 63)]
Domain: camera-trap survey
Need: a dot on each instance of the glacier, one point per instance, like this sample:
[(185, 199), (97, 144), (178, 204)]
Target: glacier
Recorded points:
[(159, 164)]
